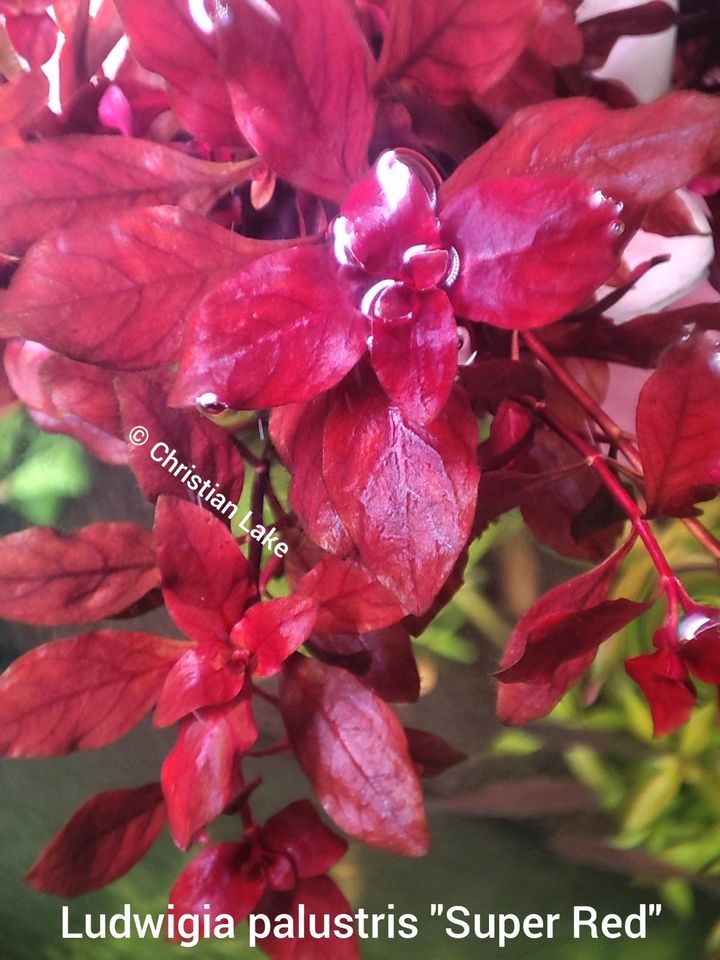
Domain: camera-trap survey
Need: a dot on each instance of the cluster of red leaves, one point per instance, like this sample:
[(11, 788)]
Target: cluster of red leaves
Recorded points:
[(387, 222)]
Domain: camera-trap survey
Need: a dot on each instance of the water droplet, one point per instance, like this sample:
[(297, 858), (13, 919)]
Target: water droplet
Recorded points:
[(426, 172), (617, 227), (387, 300), (692, 624), (453, 271), (340, 234), (619, 206), (598, 198), (210, 404)]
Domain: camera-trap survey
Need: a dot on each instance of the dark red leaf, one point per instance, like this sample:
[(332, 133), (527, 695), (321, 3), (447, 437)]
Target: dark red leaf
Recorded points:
[(47, 185), (382, 659), (521, 243), (456, 49), (637, 154), (204, 677), (664, 680), (297, 431), (64, 396), (281, 331), (349, 598), (309, 118), (526, 700), (200, 775), (318, 897), (118, 294), (701, 653), (81, 693), (678, 427), (414, 351), (34, 37), (405, 494), (431, 754), (167, 39), (353, 749), (299, 833), (104, 839), (221, 878), (271, 631), (183, 440), (51, 578), (601, 33), (204, 574)]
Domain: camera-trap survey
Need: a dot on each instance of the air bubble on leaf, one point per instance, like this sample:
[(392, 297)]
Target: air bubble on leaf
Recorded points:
[(385, 301), (598, 198), (422, 168), (453, 270), (466, 354), (209, 403), (691, 625), (619, 206), (617, 227), (340, 232)]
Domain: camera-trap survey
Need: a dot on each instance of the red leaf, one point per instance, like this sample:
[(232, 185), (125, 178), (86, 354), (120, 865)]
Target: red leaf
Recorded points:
[(204, 574), (352, 748), (431, 754), (201, 678), (664, 680), (271, 631), (200, 775), (319, 897), (678, 427), (81, 693), (104, 839), (22, 99), (47, 185), (33, 36), (219, 877), (350, 599), (281, 331), (405, 494), (458, 48), (184, 436), (601, 33), (117, 294), (521, 701), (521, 242), (64, 396), (414, 351), (297, 431), (299, 833), (382, 659), (310, 119), (167, 39), (52, 578), (638, 154), (701, 653)]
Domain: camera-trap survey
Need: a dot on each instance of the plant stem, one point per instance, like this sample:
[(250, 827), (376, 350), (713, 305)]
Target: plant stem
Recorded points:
[(259, 490)]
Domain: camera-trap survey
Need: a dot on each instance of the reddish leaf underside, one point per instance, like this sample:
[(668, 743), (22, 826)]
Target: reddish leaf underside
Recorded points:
[(102, 841), (455, 49), (81, 693), (678, 427), (353, 749), (52, 578)]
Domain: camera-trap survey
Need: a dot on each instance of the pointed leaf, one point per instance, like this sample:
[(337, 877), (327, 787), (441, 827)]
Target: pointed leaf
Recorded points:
[(52, 578), (309, 118), (204, 677), (405, 494), (271, 631), (664, 680), (431, 754), (118, 294), (678, 427), (81, 693), (50, 184), (200, 775), (520, 242), (458, 48), (168, 38), (204, 574), (352, 748), (104, 839), (637, 154), (299, 833), (221, 877), (281, 331)]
